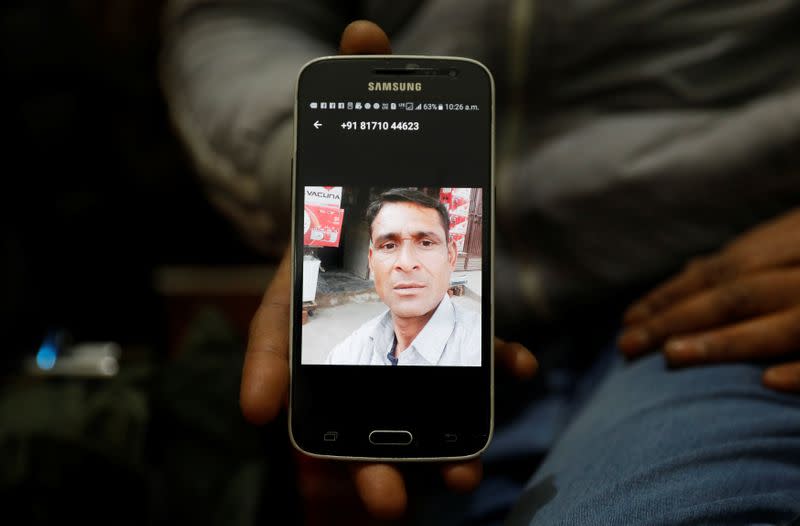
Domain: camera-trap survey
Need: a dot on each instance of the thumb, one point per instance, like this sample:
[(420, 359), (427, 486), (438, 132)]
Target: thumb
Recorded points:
[(363, 37)]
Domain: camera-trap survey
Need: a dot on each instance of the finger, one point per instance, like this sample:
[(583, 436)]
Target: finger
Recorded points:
[(265, 375), (784, 377), (323, 481), (381, 488), (699, 274), (766, 337), (463, 477), (733, 301), (363, 37), (327, 490), (771, 244), (516, 358)]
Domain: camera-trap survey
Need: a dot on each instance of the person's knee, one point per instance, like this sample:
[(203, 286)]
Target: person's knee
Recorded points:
[(704, 445)]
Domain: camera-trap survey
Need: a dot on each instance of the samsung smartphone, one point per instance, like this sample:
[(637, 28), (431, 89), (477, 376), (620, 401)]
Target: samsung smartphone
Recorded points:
[(393, 212)]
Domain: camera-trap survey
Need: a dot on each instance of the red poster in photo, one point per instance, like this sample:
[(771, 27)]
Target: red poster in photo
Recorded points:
[(446, 196), (458, 224), (456, 200), (322, 225), (459, 239)]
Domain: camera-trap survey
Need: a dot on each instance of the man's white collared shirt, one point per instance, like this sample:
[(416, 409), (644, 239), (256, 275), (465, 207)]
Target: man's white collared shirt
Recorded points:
[(451, 337)]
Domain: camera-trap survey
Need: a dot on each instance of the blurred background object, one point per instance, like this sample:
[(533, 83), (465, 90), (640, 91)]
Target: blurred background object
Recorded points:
[(82, 360)]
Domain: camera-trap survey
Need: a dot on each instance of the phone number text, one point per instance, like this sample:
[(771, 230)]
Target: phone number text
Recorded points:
[(380, 125)]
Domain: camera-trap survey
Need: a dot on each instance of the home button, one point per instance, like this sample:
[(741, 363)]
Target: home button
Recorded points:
[(390, 437)]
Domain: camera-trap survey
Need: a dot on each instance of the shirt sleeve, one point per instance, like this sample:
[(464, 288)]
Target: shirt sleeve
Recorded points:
[(228, 71), (333, 356), (473, 342), (343, 353)]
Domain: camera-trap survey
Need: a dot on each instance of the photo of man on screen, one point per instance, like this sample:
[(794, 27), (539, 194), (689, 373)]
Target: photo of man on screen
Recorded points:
[(411, 258)]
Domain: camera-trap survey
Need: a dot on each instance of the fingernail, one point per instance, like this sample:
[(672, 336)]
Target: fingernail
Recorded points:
[(634, 340), (680, 352), (782, 379), (773, 376)]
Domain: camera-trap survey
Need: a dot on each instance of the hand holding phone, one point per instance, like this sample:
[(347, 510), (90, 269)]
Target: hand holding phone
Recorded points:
[(266, 370), (264, 391)]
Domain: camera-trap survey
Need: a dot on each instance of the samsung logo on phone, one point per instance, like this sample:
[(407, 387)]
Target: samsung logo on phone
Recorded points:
[(394, 86)]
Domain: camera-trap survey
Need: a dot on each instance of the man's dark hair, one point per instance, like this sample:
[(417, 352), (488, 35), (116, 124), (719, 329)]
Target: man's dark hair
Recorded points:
[(407, 195)]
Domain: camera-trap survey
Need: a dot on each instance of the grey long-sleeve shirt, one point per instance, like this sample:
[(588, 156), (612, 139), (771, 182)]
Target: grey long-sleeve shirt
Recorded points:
[(631, 135)]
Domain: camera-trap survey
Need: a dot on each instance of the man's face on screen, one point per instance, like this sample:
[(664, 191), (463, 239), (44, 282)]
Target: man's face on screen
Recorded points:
[(410, 258)]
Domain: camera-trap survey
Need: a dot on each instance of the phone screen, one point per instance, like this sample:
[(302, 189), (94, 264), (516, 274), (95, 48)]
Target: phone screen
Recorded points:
[(411, 273), (392, 325)]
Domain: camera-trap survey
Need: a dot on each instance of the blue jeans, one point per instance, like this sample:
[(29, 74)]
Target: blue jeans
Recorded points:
[(647, 445)]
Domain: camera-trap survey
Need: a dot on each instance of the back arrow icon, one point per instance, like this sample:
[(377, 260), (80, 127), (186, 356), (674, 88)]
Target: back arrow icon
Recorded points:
[(317, 124)]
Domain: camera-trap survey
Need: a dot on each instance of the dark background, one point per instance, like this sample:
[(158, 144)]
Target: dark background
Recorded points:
[(97, 190)]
